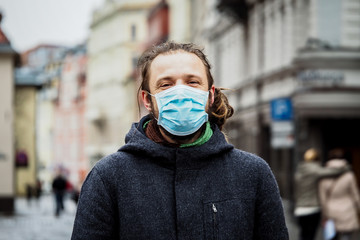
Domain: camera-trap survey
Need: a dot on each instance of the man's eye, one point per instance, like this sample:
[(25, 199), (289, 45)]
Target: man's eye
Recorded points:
[(165, 85), (193, 82)]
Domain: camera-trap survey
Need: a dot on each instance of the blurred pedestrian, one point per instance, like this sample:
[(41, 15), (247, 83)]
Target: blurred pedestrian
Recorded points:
[(307, 205), (38, 189), (29, 192), (59, 187), (177, 177), (340, 198)]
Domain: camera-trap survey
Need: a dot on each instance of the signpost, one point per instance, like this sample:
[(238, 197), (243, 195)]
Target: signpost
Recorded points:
[(282, 125)]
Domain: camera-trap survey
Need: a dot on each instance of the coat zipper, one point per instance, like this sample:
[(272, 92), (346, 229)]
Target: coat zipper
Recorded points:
[(214, 209)]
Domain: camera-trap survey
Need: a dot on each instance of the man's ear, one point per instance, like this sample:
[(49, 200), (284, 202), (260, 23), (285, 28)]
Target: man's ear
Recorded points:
[(212, 95), (145, 97)]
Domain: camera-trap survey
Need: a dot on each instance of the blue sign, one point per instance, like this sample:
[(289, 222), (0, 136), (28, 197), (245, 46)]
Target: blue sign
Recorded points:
[(281, 109)]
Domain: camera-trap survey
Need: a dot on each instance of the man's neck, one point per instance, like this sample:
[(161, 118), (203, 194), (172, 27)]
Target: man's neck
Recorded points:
[(176, 140)]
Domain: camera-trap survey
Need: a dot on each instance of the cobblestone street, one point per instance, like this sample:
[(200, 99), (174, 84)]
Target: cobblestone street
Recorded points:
[(37, 221)]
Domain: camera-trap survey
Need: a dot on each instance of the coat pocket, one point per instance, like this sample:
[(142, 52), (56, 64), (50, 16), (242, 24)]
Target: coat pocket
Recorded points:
[(228, 219)]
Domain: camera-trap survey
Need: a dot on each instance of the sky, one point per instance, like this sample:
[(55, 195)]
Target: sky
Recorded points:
[(28, 23)]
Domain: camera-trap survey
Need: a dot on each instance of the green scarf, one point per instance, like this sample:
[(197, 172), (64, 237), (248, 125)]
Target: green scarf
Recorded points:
[(202, 139), (154, 134)]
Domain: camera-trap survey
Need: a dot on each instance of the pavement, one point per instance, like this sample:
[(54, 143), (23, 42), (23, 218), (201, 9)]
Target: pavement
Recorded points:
[(36, 221), (292, 224)]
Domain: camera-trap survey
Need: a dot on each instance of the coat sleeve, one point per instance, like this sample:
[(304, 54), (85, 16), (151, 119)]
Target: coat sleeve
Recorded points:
[(355, 192), (322, 197), (269, 213), (323, 172), (96, 213)]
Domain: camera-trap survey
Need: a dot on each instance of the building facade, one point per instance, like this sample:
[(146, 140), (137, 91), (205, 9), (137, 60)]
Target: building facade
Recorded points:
[(29, 80), (45, 115), (294, 73), (158, 24), (180, 20), (69, 118), (25, 147), (118, 30), (7, 166)]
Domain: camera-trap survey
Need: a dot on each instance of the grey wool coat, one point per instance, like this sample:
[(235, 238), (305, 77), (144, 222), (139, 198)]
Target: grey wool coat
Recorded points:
[(149, 191)]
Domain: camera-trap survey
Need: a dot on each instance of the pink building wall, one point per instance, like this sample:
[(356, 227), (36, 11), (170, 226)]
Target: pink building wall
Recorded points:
[(70, 128)]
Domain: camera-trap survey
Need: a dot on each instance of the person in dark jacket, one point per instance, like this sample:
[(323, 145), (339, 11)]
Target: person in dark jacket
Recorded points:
[(177, 177), (59, 187)]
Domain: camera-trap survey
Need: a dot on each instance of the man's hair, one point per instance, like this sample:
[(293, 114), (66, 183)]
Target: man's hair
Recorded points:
[(311, 155), (220, 110), (336, 153)]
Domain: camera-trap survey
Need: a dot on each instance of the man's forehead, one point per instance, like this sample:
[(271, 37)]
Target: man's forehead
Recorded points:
[(185, 59), (176, 52)]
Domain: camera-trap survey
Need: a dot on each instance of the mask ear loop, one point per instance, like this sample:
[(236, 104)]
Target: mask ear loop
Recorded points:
[(151, 112)]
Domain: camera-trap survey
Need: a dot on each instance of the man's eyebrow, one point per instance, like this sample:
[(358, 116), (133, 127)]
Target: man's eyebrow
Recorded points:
[(164, 78), (192, 76)]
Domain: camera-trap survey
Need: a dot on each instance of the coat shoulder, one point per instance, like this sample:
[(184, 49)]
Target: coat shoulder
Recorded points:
[(250, 163), (117, 160), (245, 158)]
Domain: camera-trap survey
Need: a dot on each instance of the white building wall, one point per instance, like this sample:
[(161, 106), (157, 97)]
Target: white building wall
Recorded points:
[(278, 36), (231, 67), (254, 62), (248, 97), (180, 20), (288, 43), (112, 101), (277, 89), (301, 24), (269, 44), (350, 36)]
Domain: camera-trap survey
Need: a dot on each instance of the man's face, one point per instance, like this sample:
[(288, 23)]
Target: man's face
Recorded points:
[(169, 70)]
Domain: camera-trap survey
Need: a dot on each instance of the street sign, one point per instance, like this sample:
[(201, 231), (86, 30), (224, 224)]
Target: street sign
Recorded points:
[(281, 109), (282, 134), (282, 141)]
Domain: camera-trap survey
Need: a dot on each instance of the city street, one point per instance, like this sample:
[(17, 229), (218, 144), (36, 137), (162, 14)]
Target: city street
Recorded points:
[(37, 221)]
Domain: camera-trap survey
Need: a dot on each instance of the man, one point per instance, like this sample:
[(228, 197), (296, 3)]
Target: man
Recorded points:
[(59, 187), (177, 177)]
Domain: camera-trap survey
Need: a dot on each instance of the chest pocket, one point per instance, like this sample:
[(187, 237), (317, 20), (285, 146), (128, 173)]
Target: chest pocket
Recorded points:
[(229, 219)]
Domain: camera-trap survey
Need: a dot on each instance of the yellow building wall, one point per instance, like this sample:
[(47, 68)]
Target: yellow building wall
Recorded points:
[(25, 102)]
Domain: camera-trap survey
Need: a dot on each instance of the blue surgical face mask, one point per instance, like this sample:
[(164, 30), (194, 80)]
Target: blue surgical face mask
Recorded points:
[(182, 109)]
